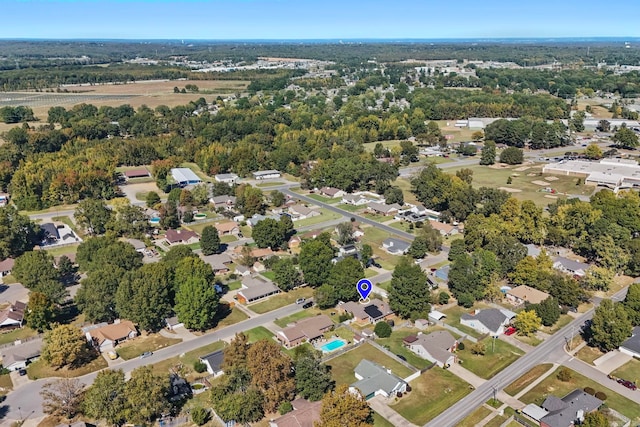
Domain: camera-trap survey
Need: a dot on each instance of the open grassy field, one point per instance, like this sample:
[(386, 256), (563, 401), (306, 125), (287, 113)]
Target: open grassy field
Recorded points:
[(553, 386), (41, 369), (280, 300), (521, 383), (137, 346), (493, 361), (485, 176), (342, 366), (433, 392)]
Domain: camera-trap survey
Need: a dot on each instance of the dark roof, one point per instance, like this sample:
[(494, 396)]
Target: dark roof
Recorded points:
[(563, 412), (492, 318), (409, 339), (214, 359), (50, 230), (373, 311), (135, 173), (633, 343)]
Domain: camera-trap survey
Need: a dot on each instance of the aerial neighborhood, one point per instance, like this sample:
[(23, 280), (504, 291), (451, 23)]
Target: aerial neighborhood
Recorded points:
[(273, 240)]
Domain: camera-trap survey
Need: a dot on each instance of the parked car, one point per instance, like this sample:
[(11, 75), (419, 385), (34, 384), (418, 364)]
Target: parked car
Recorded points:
[(510, 330), (627, 384), (146, 354), (401, 357), (112, 355), (300, 301), (308, 304), (22, 372)]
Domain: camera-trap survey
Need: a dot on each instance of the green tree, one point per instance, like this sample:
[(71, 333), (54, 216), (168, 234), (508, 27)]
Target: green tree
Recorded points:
[(427, 240), (313, 378), (344, 276), (34, 267), (249, 200), (286, 274), (456, 249), (409, 291), (210, 241), (382, 330), (512, 156), (93, 215), (548, 311), (365, 254), (342, 408), (625, 138), (315, 260), (200, 415), (394, 195), (235, 354), (65, 345), (196, 304), (96, 297), (66, 269), (597, 279), (242, 406), (632, 303), (610, 325), (604, 125), (268, 234), (344, 232), (277, 198), (146, 395), (595, 419), (527, 322), (106, 398), (200, 195), (169, 218), (593, 152), (576, 123), (488, 153), (40, 312), (152, 199), (18, 234), (325, 296)]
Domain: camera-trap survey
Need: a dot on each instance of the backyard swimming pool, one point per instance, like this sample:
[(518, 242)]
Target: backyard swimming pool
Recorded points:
[(154, 220), (333, 345)]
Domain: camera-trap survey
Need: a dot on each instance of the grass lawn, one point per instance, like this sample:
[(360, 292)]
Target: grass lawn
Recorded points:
[(342, 366), (377, 217), (379, 421), (433, 392), (454, 314), (142, 195), (564, 320), (228, 317), (374, 236), (402, 226), (194, 246), (269, 184), (531, 339), (629, 371), (369, 272), (259, 333), (325, 215), (280, 300), (475, 417), (349, 208), (63, 250), (187, 361), (198, 227), (586, 353), (323, 199), (283, 322), (40, 369), (385, 285), (521, 383), (553, 386), (235, 285), (228, 238), (5, 384), (394, 344), (139, 345), (492, 362), (246, 231), (269, 275), (496, 421), (17, 334), (65, 220)]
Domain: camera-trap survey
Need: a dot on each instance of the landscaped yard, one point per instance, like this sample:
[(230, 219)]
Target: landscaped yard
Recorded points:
[(41, 369), (137, 346), (521, 383), (453, 318), (280, 300), (6, 384), (325, 215), (374, 236), (228, 238), (235, 285), (56, 251), (553, 386), (283, 322), (349, 208), (493, 361), (379, 421), (394, 344), (257, 334), (629, 371), (342, 366), (269, 275), (475, 417), (188, 360), (324, 199), (228, 316), (586, 353), (17, 334), (433, 392)]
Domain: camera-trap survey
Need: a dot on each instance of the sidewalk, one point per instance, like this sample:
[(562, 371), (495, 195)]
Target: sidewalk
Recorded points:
[(381, 407)]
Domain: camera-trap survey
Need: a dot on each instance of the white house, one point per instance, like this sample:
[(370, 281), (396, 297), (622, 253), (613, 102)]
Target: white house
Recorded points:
[(13, 315), (395, 246), (213, 361), (489, 321), (184, 177), (374, 380), (437, 347), (18, 356), (268, 174), (632, 345), (227, 178), (570, 266), (299, 212)]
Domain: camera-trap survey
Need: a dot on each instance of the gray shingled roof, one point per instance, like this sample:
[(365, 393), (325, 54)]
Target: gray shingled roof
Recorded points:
[(492, 318), (633, 343), (374, 378), (563, 412)]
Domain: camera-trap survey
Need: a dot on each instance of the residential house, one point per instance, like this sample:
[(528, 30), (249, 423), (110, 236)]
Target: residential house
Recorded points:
[(348, 250), (255, 288), (437, 347), (298, 212), (268, 174), (6, 266), (228, 228), (18, 356), (566, 412), (213, 362), (526, 294), (488, 321), (224, 202), (173, 322), (383, 208), (138, 245), (251, 222), (374, 380), (569, 266), (184, 177), (373, 312), (50, 232), (242, 270), (358, 199), (632, 345), (220, 263), (13, 316), (306, 330), (444, 229), (136, 173), (419, 209), (107, 337), (227, 178), (304, 414), (331, 192), (181, 237), (395, 246), (255, 252), (294, 242)]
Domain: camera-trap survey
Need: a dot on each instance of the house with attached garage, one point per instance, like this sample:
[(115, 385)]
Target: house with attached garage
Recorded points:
[(437, 347), (395, 246), (105, 338), (444, 229), (228, 228), (304, 414), (569, 266), (488, 321), (525, 294), (181, 237), (632, 345), (371, 312), (374, 380), (6, 266), (566, 412), (331, 192), (298, 212), (306, 330), (13, 316), (213, 362), (220, 263), (383, 208), (18, 356), (224, 202), (255, 288)]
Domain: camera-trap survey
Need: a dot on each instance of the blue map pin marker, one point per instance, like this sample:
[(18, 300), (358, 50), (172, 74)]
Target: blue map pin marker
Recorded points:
[(364, 287)]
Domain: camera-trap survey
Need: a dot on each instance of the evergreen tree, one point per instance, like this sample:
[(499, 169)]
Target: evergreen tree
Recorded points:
[(488, 154), (196, 303), (548, 311), (210, 241)]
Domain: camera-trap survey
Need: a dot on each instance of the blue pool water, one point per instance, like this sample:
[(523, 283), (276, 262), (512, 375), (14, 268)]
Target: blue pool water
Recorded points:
[(332, 345), (154, 220)]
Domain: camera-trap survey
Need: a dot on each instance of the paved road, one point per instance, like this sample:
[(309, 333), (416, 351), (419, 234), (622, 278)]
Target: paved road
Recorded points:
[(28, 399), (551, 348)]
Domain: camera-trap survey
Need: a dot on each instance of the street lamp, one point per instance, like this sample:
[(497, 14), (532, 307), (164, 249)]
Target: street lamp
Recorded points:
[(20, 412)]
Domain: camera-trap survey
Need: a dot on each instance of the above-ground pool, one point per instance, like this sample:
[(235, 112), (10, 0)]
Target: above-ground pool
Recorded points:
[(333, 345), (200, 216), (154, 220)]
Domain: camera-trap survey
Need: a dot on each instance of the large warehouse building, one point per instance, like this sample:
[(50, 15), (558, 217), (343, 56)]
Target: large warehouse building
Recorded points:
[(616, 174)]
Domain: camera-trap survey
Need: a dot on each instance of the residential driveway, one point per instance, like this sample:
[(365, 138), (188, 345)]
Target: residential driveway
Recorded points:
[(18, 380), (611, 361), (183, 333), (379, 405), (13, 292)]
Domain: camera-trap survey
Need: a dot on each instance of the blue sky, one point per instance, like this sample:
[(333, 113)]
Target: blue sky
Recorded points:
[(314, 19)]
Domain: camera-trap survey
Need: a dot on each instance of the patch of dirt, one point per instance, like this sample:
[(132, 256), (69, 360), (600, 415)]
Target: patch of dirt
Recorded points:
[(510, 190), (540, 183), (551, 178), (550, 197)]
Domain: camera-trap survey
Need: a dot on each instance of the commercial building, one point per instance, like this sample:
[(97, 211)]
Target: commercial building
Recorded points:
[(184, 177), (616, 174)]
